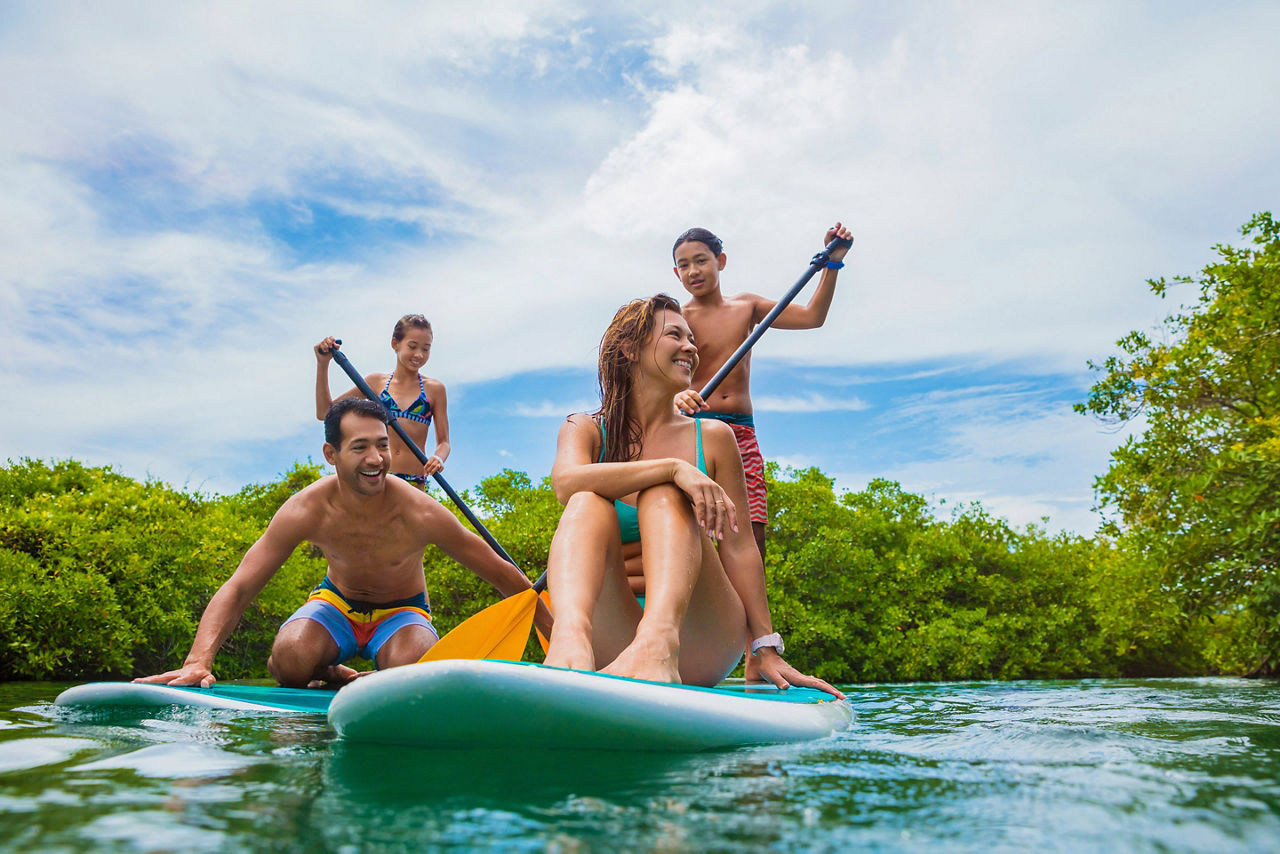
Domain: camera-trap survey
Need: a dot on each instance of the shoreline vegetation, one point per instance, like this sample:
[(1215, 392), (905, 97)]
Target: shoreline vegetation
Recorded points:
[(105, 576)]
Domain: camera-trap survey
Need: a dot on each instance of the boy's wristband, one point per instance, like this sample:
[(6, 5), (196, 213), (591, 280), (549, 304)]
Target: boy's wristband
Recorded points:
[(835, 265)]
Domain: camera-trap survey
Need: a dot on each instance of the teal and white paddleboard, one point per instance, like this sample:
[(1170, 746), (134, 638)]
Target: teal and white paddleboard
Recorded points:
[(459, 703), (243, 698), (500, 704)]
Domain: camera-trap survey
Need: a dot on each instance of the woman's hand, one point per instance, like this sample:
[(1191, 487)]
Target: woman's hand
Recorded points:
[(711, 505), (434, 465), (773, 668)]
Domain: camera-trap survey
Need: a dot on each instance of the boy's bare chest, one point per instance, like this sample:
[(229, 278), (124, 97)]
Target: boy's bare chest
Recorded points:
[(718, 331)]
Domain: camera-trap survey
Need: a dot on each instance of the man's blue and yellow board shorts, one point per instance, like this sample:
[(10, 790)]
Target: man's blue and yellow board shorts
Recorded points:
[(361, 628)]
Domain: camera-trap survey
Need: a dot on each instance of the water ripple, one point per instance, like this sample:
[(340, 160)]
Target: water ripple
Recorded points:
[(1129, 765)]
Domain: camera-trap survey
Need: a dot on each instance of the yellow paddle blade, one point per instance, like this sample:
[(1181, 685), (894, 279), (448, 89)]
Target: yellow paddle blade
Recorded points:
[(545, 596), (499, 631)]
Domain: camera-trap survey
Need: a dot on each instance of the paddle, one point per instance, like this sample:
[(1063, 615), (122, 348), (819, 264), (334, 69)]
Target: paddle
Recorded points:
[(815, 264), (510, 619), (499, 631), (345, 364)]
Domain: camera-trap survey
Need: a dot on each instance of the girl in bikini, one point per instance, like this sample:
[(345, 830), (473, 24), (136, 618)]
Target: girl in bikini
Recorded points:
[(416, 401), (637, 471)]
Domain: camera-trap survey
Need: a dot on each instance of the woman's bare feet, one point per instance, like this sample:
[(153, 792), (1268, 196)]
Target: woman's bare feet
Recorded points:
[(570, 649), (652, 658)]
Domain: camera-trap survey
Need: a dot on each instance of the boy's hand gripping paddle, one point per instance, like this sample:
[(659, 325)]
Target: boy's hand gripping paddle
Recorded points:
[(815, 264)]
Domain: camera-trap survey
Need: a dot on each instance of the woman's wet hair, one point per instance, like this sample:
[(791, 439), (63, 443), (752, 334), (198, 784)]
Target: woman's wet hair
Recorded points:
[(699, 235), (361, 405), (409, 321), (619, 350)]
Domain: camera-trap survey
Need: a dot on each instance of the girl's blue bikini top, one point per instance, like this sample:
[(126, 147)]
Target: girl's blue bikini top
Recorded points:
[(419, 410)]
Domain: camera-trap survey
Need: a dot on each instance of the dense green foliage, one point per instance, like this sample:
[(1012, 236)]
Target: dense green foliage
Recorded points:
[(1198, 492), (103, 576)]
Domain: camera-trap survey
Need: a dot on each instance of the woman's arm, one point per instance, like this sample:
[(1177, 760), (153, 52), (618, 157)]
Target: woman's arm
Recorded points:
[(576, 470), (742, 563), (738, 551)]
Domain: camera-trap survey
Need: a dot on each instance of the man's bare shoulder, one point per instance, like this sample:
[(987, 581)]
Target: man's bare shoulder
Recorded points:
[(425, 515), (303, 514), (311, 499)]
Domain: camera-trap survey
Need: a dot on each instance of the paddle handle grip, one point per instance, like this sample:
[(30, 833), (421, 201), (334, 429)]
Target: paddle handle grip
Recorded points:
[(354, 375), (815, 264)]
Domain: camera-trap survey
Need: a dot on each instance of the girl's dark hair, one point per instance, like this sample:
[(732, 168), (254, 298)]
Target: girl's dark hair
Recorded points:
[(619, 351), (409, 321), (700, 235), (362, 405)]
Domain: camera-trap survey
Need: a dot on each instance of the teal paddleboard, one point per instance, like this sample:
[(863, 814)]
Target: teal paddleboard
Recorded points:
[(497, 704), (513, 704), (244, 698)]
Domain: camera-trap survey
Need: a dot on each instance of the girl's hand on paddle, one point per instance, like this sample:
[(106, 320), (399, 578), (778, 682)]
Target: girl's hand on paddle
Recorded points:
[(324, 350), (835, 231), (774, 669), (689, 402), (434, 465), (711, 505), (190, 674)]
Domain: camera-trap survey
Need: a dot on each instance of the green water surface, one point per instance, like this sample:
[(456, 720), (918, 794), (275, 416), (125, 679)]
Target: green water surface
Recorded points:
[(1095, 765)]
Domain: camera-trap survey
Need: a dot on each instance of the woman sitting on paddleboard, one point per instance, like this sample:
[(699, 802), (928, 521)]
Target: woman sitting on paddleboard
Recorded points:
[(639, 471), (416, 401)]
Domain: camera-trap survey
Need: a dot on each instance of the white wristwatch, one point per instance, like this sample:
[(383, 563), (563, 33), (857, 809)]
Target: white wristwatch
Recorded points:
[(774, 640)]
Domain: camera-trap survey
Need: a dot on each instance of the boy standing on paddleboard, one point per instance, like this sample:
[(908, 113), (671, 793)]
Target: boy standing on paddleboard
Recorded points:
[(373, 531), (720, 324)]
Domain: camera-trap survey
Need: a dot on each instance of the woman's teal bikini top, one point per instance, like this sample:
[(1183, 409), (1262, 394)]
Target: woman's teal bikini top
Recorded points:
[(628, 516)]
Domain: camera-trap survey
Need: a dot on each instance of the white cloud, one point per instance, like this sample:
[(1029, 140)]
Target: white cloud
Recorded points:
[(808, 403), (550, 409), (1021, 454), (1012, 175)]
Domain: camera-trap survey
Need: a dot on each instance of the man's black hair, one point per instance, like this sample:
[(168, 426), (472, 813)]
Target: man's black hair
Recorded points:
[(701, 235), (361, 405)]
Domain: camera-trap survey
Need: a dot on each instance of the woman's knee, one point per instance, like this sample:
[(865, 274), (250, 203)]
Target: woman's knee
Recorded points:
[(664, 498), (586, 506)]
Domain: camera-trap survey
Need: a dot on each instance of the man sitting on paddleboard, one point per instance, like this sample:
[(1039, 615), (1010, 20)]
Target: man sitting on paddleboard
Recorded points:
[(639, 471), (372, 531)]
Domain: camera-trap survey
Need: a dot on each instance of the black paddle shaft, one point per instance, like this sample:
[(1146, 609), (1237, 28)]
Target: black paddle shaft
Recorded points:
[(817, 263), (345, 364)]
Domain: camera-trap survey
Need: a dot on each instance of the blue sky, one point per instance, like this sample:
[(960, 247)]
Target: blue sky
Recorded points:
[(194, 195)]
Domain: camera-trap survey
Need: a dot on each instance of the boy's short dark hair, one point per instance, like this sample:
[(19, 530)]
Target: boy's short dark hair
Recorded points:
[(700, 235), (361, 405)]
